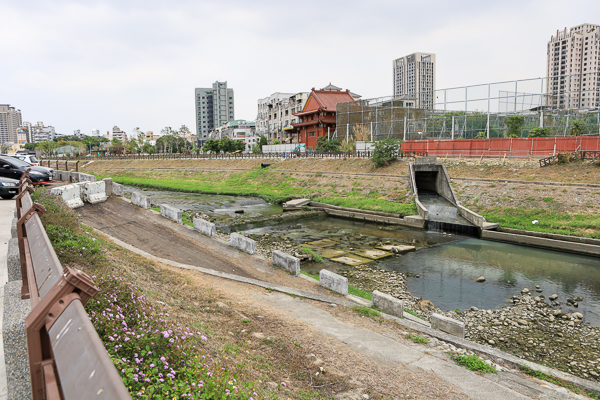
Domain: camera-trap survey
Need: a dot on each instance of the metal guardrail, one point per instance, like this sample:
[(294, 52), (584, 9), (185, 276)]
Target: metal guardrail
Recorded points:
[(241, 156), (55, 164), (67, 358)]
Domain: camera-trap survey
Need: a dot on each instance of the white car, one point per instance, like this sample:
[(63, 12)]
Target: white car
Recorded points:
[(28, 159)]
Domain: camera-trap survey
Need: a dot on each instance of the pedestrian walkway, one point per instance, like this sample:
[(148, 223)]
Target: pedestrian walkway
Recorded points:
[(7, 209)]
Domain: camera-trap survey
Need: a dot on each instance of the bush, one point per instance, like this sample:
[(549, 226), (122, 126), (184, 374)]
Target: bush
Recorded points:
[(540, 132), (515, 124), (323, 144), (386, 151), (481, 135), (577, 128)]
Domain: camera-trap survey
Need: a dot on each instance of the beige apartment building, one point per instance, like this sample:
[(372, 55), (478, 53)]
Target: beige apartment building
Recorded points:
[(275, 114), (573, 67), (10, 121), (414, 78)]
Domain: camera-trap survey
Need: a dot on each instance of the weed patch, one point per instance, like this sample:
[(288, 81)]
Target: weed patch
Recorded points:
[(366, 311), (474, 363), (416, 338)]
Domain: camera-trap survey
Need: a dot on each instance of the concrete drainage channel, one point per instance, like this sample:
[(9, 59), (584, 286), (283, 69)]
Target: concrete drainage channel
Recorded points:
[(441, 328)]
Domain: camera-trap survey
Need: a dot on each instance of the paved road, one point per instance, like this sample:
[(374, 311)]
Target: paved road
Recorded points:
[(7, 209)]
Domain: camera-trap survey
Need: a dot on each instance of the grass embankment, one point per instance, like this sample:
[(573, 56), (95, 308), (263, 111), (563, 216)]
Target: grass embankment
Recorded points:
[(274, 187), (583, 225), (170, 338)]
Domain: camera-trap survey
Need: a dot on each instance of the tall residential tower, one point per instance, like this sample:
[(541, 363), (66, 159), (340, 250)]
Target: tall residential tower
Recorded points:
[(214, 107), (573, 67), (414, 77), (10, 121)]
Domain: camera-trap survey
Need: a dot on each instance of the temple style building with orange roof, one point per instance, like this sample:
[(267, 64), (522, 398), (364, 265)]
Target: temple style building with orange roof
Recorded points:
[(318, 116)]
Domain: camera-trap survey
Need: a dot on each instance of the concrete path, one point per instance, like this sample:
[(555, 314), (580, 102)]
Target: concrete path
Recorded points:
[(504, 385), (7, 209)]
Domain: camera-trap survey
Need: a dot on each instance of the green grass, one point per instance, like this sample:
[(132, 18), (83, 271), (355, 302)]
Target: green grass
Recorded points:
[(553, 380), (315, 256), (366, 311), (584, 225), (411, 312), (360, 293), (317, 277), (373, 201), (416, 338), (473, 363)]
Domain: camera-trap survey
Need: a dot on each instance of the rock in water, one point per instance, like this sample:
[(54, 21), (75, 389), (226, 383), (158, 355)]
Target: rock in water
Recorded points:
[(553, 297), (480, 279), (525, 291)]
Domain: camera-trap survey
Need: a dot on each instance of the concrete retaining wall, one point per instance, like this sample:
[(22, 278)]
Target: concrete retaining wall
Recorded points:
[(388, 304), (13, 228), (108, 184), (13, 260), (74, 177), (205, 227), (243, 243), (94, 192), (140, 200), (533, 241), (286, 261), (448, 325), (335, 282), (172, 213), (117, 189), (71, 195)]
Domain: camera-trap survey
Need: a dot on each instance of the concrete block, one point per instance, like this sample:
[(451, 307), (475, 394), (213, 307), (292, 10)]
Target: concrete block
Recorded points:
[(388, 304), (117, 189), (172, 213), (108, 184), (13, 260), (94, 192), (74, 177), (140, 200), (425, 160), (333, 281), (71, 194), (13, 228), (205, 227), (448, 325), (286, 261), (87, 177), (243, 243)]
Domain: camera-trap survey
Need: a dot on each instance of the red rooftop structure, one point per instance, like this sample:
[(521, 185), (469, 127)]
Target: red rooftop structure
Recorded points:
[(319, 115)]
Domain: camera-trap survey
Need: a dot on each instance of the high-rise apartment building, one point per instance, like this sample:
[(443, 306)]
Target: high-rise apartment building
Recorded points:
[(10, 121), (414, 77), (573, 67), (214, 107)]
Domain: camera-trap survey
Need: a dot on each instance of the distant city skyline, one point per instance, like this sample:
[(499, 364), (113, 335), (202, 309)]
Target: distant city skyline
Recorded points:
[(96, 64)]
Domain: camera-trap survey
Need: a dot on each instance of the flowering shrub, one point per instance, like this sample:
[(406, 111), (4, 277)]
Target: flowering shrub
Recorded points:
[(156, 359)]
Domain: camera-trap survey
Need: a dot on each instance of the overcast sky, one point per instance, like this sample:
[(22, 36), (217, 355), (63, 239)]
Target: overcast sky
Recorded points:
[(94, 64)]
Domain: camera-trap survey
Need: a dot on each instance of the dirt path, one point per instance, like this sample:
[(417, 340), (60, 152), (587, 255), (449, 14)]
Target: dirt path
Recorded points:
[(162, 238)]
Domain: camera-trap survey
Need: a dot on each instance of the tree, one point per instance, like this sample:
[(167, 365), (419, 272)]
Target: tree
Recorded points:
[(514, 124), (276, 141), (211, 145), (577, 128), (148, 148), (323, 144), (385, 151), (30, 146), (540, 132)]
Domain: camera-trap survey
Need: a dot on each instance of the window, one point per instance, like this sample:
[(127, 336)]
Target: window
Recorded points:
[(312, 134)]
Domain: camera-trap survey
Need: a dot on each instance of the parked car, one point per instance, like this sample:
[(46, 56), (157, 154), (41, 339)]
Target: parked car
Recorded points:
[(31, 159), (8, 188), (13, 168)]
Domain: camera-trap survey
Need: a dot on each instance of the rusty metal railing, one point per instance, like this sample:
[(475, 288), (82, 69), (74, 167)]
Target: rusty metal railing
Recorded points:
[(67, 358), (56, 163)]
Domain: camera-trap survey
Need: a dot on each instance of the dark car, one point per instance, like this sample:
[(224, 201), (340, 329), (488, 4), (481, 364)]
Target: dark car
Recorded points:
[(8, 188), (13, 168)]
